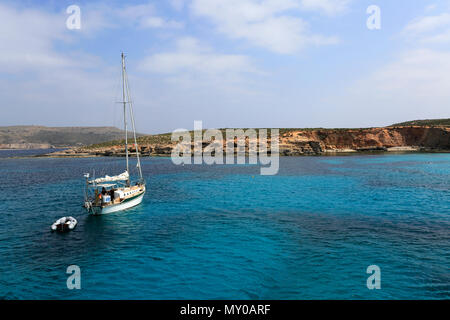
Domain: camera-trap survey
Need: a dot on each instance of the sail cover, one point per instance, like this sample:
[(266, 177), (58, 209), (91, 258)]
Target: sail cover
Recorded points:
[(121, 177)]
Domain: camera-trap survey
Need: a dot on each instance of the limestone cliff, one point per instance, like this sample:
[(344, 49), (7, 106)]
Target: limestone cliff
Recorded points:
[(305, 142), (371, 139)]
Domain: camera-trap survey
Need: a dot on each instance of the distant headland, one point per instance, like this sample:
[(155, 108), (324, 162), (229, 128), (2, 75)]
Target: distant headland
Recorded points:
[(41, 137)]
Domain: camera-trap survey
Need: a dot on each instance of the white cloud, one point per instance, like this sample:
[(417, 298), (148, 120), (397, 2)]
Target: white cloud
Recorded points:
[(177, 4), (44, 85), (144, 16), (268, 24), (329, 7), (98, 16), (430, 7), (31, 36), (136, 11), (429, 29), (413, 86), (190, 56), (428, 23), (440, 38), (200, 83), (157, 22), (27, 37), (418, 73)]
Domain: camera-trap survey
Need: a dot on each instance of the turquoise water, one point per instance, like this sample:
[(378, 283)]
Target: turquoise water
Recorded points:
[(225, 232)]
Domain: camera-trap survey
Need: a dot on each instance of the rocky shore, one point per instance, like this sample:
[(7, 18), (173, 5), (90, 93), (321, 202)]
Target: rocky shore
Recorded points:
[(25, 146), (299, 142)]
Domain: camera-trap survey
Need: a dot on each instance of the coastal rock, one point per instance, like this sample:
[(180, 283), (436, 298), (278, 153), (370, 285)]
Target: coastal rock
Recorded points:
[(26, 146), (295, 142)]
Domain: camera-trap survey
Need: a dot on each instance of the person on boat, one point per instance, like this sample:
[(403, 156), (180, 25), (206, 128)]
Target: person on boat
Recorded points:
[(103, 191)]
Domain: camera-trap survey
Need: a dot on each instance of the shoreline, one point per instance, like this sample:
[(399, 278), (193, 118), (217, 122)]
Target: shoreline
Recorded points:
[(325, 154)]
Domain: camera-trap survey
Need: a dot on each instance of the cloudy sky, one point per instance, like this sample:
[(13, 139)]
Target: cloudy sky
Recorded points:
[(229, 63)]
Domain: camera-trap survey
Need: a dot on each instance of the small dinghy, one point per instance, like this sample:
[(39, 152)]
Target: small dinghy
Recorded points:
[(64, 224)]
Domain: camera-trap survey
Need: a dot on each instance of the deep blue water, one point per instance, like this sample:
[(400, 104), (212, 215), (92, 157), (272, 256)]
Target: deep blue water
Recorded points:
[(226, 232), (7, 153)]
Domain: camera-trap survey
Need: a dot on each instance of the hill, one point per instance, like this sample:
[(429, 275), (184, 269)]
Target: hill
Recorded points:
[(424, 123), (20, 137), (411, 135), (296, 142)]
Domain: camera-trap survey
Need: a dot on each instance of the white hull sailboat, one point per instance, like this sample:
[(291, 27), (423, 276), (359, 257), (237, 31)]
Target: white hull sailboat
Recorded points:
[(116, 193)]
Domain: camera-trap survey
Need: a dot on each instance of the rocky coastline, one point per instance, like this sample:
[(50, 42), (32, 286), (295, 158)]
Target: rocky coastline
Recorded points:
[(25, 146), (300, 142)]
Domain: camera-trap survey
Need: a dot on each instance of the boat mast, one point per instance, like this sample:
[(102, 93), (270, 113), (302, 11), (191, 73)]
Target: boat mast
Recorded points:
[(125, 111)]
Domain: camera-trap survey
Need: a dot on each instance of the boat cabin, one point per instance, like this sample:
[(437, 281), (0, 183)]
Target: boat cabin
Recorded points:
[(110, 193)]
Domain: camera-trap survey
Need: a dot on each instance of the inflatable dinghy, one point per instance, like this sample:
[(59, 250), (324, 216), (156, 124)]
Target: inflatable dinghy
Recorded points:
[(64, 224)]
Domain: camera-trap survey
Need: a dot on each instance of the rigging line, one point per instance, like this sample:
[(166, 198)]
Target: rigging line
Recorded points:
[(134, 126), (124, 109)]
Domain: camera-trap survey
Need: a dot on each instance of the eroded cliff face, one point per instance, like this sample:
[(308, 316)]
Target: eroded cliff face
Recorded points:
[(350, 140), (315, 142)]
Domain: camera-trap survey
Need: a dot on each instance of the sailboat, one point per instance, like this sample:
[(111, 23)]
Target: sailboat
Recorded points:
[(116, 193)]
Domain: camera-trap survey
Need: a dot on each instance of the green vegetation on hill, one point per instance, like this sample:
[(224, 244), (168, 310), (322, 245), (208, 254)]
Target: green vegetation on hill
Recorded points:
[(58, 136), (429, 122), (141, 140), (165, 138), (99, 137)]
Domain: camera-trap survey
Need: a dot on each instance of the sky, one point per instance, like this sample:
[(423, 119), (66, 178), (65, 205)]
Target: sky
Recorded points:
[(228, 63)]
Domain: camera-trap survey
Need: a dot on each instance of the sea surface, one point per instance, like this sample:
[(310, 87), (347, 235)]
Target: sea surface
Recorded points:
[(8, 153), (226, 232)]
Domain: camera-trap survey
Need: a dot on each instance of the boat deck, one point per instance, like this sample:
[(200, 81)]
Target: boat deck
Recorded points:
[(129, 194)]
